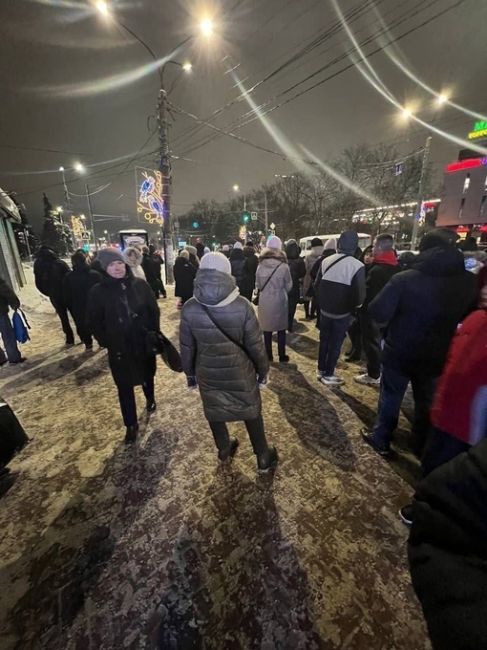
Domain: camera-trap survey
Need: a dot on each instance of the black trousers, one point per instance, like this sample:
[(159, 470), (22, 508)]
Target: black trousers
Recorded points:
[(84, 333), (255, 429), (355, 335), (62, 312), (126, 396), (371, 338), (281, 343)]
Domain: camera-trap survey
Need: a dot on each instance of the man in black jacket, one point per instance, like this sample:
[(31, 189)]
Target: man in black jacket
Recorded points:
[(421, 309), (8, 299), (77, 284), (384, 266), (49, 272)]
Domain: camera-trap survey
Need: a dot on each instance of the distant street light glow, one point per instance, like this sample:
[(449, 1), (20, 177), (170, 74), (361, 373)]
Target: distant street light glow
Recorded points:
[(59, 208), (236, 188), (61, 169), (407, 113), (441, 99), (206, 27), (102, 7), (79, 168), (187, 67)]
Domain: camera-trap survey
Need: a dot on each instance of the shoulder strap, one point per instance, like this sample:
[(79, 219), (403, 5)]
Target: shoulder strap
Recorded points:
[(335, 262), (225, 334), (270, 277)]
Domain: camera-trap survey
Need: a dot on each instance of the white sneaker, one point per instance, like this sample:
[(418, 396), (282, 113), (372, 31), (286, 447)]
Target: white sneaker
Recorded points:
[(320, 374), (367, 380), (331, 380)]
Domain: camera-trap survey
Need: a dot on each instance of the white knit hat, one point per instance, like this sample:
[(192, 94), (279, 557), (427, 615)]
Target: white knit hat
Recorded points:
[(274, 242), (238, 245), (216, 262)]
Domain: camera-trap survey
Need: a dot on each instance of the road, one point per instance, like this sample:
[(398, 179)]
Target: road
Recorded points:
[(156, 546)]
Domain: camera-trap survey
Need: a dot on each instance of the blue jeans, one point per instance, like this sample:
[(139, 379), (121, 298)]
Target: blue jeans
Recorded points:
[(332, 334), (9, 340), (393, 384)]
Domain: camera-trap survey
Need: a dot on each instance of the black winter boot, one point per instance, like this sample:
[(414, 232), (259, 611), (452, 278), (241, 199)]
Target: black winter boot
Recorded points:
[(131, 434), (268, 460), (229, 452)]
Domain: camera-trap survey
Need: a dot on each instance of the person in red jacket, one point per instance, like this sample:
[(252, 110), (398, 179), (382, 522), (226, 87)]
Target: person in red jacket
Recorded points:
[(459, 411)]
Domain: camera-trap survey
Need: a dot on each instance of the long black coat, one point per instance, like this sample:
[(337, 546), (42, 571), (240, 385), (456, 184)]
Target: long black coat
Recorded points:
[(422, 308), (251, 263), (77, 284), (227, 376), (184, 274), (237, 262), (297, 269), (152, 270), (448, 551), (120, 313), (8, 298), (49, 272)]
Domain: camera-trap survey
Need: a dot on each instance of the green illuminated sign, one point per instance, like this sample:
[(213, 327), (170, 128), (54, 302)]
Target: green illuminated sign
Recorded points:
[(479, 130)]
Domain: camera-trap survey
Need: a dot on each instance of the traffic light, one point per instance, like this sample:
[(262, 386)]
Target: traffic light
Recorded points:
[(196, 225), (245, 217)]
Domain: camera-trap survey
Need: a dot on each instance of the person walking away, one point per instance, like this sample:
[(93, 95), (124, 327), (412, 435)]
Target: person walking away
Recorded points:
[(152, 271), (251, 263), (193, 257), (329, 249), (298, 271), (274, 282), (122, 309), (308, 284), (355, 331), (421, 309), (223, 354), (226, 250), (238, 264), (49, 272), (384, 266), (200, 249), (184, 275), (8, 298), (341, 291), (459, 411), (133, 259), (77, 284)]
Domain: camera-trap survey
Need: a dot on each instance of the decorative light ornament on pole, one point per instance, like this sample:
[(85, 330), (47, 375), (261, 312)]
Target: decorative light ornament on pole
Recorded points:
[(273, 228)]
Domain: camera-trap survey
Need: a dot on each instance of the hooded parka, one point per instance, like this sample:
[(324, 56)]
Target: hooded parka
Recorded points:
[(273, 299), (226, 375)]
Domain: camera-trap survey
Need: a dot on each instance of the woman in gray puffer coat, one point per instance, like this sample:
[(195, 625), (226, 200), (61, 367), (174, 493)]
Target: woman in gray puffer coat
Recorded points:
[(222, 353), (274, 282)]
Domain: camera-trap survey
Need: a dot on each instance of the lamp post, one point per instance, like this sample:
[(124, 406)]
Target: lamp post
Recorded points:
[(206, 29)]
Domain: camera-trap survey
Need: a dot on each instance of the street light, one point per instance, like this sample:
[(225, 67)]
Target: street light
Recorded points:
[(102, 7), (79, 168), (59, 209), (441, 99), (236, 188), (187, 66), (406, 113), (207, 28)]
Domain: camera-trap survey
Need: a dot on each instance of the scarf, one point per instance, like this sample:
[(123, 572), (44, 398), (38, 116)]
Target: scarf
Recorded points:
[(386, 257)]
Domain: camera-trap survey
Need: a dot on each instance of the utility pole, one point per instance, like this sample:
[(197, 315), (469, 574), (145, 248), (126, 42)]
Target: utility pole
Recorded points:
[(417, 214), (165, 169), (90, 213), (266, 215)]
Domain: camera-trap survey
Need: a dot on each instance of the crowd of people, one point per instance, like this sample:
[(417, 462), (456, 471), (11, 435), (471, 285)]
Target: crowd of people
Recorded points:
[(416, 319)]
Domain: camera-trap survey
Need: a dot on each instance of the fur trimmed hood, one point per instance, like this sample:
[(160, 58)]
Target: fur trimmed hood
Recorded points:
[(272, 253)]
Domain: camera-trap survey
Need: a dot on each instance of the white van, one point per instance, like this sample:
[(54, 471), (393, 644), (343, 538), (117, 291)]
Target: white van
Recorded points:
[(364, 240)]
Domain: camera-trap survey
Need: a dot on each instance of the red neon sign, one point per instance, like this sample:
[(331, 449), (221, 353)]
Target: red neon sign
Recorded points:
[(462, 165)]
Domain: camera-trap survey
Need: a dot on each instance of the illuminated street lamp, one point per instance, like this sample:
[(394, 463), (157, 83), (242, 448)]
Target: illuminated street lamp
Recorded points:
[(441, 99), (187, 66), (207, 27), (406, 113), (79, 168), (236, 188), (102, 7)]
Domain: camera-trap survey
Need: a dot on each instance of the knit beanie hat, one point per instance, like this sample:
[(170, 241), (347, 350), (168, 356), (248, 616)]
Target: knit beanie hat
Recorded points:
[(316, 242), (108, 255), (206, 250), (348, 242), (274, 242), (331, 244), (216, 262), (238, 246)]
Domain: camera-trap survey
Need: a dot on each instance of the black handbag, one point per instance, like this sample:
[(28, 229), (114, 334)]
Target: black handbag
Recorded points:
[(157, 343), (259, 291)]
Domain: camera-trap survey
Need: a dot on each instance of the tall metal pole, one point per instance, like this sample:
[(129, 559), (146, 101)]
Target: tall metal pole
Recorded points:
[(266, 214), (165, 169), (417, 214), (90, 212)]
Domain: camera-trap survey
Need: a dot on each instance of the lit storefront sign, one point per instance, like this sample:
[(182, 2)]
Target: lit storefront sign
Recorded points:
[(479, 130)]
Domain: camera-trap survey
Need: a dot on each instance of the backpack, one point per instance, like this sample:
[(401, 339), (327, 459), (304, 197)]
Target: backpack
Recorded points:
[(21, 326)]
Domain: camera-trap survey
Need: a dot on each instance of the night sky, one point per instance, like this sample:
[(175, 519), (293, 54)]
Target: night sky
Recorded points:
[(59, 60)]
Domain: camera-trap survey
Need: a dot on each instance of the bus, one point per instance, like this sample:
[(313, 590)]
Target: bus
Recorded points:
[(134, 237), (364, 240)]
